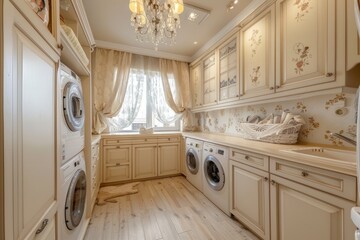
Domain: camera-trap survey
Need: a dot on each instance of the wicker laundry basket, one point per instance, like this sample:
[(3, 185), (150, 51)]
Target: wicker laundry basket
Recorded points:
[(272, 133)]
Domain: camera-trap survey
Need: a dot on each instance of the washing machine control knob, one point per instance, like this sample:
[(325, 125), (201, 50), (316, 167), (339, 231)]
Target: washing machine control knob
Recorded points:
[(76, 163), (211, 150)]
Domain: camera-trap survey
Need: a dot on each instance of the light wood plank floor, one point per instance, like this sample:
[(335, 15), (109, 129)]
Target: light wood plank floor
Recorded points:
[(164, 209)]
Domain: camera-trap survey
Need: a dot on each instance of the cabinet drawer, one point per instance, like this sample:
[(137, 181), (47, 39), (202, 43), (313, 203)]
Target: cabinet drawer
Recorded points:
[(335, 183), (168, 139), (249, 158), (117, 173)]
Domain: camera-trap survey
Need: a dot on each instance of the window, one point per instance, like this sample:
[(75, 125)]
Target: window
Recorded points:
[(145, 105)]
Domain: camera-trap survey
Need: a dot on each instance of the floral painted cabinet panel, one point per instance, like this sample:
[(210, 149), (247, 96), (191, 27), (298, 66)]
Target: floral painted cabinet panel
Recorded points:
[(228, 71), (305, 41), (209, 77), (257, 69), (196, 86)]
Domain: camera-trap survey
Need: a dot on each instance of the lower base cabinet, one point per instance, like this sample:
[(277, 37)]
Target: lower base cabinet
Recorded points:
[(117, 163), (252, 210), (168, 159), (144, 161), (299, 212)]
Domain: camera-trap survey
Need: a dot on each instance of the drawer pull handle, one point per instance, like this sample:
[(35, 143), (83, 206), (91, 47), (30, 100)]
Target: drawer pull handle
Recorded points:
[(43, 226), (304, 174), (329, 74), (266, 179), (169, 139), (271, 88), (118, 164), (273, 182), (247, 157)]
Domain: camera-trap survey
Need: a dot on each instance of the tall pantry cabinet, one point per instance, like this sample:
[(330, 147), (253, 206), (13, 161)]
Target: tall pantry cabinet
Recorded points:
[(31, 63)]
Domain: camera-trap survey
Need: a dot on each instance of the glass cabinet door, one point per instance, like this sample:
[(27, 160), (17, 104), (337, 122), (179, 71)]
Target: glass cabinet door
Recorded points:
[(209, 83), (228, 71)]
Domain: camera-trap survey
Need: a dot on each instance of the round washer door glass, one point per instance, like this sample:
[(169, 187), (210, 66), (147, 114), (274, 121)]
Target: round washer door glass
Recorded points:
[(73, 106), (75, 200), (214, 173), (192, 161)]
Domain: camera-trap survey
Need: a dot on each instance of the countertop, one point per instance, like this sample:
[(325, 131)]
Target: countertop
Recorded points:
[(276, 151)]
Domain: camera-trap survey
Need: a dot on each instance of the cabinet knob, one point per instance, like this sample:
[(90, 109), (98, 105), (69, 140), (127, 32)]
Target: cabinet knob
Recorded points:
[(271, 88), (117, 164), (247, 157), (169, 139), (42, 227), (329, 74), (266, 179), (277, 86), (237, 95), (215, 100), (304, 174), (60, 46), (273, 182)]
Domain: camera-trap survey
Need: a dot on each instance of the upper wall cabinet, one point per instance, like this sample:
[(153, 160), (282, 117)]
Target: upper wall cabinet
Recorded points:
[(196, 85), (44, 18), (229, 70), (353, 40), (209, 80), (257, 71), (76, 37), (305, 41)]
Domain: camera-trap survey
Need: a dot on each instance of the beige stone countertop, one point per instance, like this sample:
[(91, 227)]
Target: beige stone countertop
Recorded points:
[(137, 134), (276, 150)]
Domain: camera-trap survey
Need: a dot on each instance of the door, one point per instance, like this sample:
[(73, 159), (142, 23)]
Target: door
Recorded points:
[(30, 127), (192, 161), (250, 198), (257, 71), (299, 212), (196, 85), (228, 85), (168, 159), (214, 173), (117, 163), (305, 39), (209, 80), (144, 161)]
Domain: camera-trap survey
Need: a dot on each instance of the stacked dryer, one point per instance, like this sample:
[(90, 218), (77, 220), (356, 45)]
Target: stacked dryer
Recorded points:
[(73, 172)]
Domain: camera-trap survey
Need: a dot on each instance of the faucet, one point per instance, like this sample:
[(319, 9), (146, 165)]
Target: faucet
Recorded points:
[(342, 137)]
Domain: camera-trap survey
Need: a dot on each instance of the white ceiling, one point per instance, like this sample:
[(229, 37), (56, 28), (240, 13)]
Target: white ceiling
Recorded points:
[(110, 24)]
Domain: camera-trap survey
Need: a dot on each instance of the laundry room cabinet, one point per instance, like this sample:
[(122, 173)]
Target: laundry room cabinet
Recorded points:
[(134, 157), (30, 170), (209, 77), (196, 85), (117, 164), (248, 178)]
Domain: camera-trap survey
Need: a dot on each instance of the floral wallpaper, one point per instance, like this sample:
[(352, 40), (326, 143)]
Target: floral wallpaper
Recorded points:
[(322, 114)]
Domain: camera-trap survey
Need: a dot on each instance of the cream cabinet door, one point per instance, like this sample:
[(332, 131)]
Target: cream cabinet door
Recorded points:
[(30, 160), (144, 161), (257, 71), (352, 37), (229, 70), (306, 47), (299, 212), (168, 159), (117, 163), (209, 80), (249, 198), (196, 85)]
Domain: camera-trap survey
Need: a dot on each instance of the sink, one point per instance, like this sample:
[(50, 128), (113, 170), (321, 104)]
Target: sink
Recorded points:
[(326, 153)]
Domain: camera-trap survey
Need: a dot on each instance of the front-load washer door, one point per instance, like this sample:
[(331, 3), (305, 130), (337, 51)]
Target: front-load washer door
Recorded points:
[(214, 173), (73, 106), (75, 200), (192, 161)]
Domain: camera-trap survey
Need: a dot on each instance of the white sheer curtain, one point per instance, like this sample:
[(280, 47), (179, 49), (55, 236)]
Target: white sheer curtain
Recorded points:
[(110, 77), (131, 105)]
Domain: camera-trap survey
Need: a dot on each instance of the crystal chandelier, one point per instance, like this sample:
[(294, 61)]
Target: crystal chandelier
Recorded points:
[(157, 21)]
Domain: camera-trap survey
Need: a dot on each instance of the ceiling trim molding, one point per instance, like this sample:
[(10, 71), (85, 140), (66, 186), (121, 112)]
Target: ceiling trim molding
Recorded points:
[(142, 51), (229, 27)]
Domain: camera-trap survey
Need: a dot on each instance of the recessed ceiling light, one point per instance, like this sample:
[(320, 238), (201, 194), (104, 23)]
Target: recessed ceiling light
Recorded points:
[(193, 16), (236, 1), (195, 42)]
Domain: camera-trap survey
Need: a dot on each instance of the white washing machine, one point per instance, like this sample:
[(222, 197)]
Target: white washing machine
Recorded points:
[(216, 175), (72, 204), (72, 111), (193, 153)]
